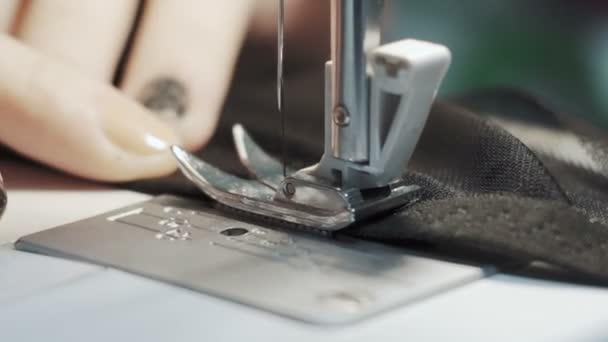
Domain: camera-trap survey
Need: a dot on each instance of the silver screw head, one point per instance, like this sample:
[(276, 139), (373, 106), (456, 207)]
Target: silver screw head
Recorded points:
[(289, 189), (341, 116)]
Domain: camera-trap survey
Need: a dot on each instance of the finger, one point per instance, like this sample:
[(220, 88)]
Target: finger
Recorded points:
[(8, 10), (182, 61), (85, 127), (89, 34)]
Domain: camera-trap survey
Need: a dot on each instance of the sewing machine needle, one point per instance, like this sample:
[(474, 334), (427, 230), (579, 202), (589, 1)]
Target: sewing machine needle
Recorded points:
[(280, 80)]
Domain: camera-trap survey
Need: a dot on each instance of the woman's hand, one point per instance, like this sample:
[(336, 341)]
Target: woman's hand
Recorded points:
[(58, 59)]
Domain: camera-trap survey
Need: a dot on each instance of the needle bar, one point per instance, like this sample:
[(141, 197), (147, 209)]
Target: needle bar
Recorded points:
[(280, 80)]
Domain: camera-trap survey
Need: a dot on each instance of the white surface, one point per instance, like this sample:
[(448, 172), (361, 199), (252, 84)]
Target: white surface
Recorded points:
[(39, 198), (53, 300), (114, 306), (507, 308), (23, 275)]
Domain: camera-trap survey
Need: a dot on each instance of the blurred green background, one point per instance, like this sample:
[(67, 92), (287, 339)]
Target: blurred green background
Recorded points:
[(556, 49)]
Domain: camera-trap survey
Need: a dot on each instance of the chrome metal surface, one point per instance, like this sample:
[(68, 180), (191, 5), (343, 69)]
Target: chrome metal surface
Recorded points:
[(260, 165), (404, 79), (280, 54), (300, 276), (354, 31), (301, 199), (281, 81), (256, 197)]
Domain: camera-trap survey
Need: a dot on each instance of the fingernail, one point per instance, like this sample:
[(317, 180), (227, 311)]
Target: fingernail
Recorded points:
[(138, 132), (165, 96)]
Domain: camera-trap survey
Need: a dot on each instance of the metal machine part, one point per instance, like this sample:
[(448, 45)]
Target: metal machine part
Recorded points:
[(281, 79), (300, 199), (377, 102), (355, 31), (301, 276)]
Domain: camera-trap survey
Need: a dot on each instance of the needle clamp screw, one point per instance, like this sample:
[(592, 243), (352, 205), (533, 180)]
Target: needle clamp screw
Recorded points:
[(289, 189), (341, 116)]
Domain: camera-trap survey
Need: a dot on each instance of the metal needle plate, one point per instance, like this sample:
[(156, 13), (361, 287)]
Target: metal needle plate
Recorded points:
[(305, 277)]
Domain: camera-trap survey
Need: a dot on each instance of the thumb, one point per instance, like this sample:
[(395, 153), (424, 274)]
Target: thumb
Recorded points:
[(58, 117)]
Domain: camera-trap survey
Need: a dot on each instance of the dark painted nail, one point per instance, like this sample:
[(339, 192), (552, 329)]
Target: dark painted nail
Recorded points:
[(166, 96)]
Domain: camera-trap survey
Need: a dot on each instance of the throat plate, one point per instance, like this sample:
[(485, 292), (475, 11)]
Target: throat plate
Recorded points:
[(304, 277)]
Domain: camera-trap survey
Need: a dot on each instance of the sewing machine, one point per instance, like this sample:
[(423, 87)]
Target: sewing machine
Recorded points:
[(377, 101), (270, 261)]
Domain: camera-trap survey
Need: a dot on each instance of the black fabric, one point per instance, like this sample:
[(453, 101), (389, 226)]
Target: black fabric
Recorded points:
[(484, 190), (2, 197)]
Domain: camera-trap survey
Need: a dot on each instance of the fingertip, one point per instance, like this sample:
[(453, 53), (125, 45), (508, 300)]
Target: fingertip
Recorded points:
[(139, 141), (144, 167), (79, 125), (197, 129)]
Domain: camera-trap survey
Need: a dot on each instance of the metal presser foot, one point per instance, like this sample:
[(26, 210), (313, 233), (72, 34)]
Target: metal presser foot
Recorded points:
[(377, 101), (303, 198)]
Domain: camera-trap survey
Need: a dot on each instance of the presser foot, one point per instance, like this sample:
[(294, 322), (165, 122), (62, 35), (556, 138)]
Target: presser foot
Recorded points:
[(302, 198)]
